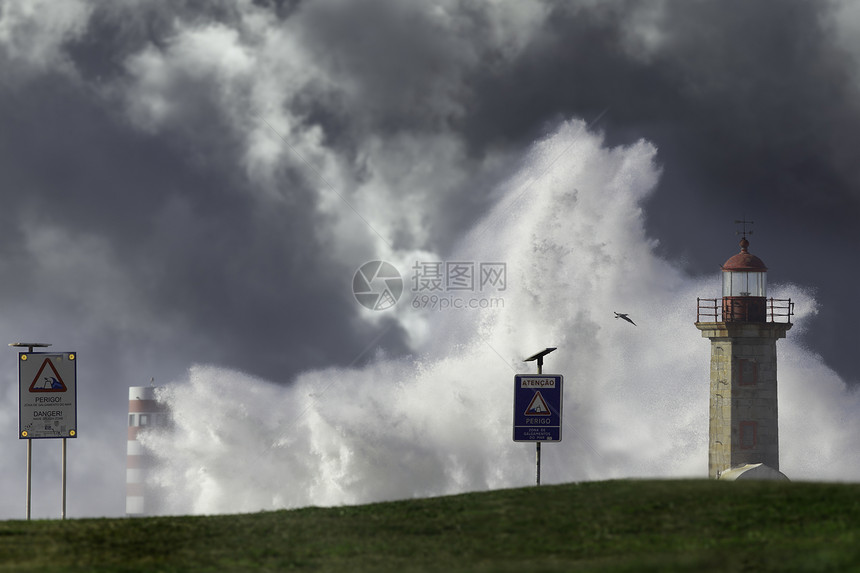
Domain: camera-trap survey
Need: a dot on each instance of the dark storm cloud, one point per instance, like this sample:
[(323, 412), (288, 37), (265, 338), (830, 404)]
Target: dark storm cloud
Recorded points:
[(401, 69), (756, 99), (208, 271)]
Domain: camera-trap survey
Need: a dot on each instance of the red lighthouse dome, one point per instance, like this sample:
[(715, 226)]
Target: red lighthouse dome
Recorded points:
[(744, 261)]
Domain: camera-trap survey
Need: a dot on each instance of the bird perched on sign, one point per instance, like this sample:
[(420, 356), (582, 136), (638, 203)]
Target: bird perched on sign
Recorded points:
[(625, 317)]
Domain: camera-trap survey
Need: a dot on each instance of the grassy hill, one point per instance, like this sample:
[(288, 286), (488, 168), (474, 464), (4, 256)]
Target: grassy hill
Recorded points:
[(600, 526)]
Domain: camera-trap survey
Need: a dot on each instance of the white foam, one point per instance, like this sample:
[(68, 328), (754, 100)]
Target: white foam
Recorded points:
[(569, 226)]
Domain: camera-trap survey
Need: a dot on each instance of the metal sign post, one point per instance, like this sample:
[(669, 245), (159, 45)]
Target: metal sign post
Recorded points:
[(537, 408), (47, 403), (63, 506)]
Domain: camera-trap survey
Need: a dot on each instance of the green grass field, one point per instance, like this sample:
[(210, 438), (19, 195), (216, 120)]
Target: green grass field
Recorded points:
[(599, 526)]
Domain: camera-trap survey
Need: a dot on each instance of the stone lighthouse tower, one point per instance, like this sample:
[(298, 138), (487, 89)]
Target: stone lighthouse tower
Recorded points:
[(743, 327)]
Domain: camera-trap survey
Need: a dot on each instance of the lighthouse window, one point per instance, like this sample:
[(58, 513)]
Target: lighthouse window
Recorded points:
[(747, 372), (131, 420), (144, 419), (747, 437), (744, 284), (760, 284)]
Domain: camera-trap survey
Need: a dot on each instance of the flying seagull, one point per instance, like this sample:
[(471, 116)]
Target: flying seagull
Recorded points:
[(625, 317)]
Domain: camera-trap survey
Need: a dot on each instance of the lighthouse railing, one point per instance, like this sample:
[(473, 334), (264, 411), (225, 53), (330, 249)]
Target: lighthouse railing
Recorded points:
[(711, 310), (708, 310), (780, 310)]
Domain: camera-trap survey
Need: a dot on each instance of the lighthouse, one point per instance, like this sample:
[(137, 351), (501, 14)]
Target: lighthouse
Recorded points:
[(743, 327), (144, 412)]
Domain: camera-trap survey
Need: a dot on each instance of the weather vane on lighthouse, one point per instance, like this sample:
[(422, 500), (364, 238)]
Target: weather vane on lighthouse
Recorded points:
[(744, 231)]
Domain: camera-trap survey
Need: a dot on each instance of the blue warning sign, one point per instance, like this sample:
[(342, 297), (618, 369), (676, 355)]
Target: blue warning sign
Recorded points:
[(537, 407)]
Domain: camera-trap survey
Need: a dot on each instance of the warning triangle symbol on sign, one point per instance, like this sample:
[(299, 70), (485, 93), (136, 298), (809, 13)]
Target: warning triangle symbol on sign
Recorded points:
[(48, 381), (538, 406)]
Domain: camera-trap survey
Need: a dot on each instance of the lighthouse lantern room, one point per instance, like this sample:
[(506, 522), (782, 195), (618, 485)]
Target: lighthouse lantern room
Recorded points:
[(744, 287)]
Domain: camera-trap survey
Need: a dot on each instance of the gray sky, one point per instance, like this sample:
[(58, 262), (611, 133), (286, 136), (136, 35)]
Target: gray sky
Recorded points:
[(196, 182)]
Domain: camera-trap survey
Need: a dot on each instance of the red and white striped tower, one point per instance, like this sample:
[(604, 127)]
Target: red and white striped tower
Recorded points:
[(143, 412)]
